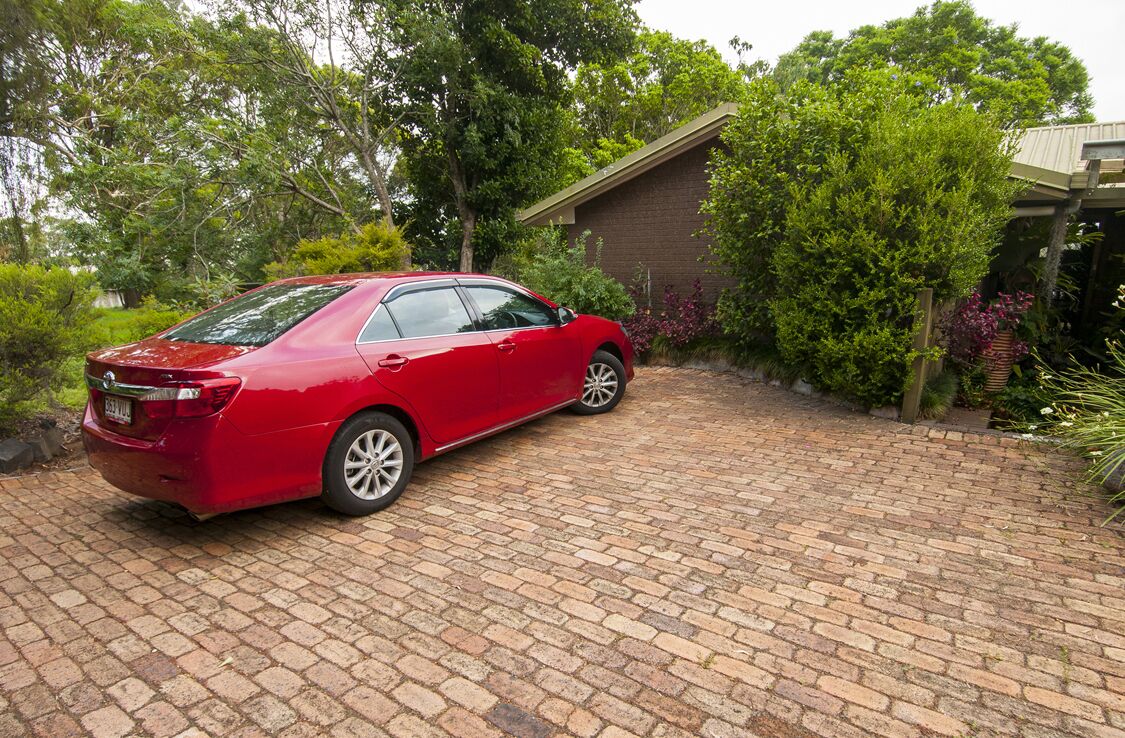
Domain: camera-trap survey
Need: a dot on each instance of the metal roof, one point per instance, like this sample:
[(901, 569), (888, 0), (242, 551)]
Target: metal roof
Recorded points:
[(1059, 148), (1048, 158), (559, 207)]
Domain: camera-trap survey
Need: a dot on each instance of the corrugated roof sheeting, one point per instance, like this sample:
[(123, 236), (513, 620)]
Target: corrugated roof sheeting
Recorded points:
[(1058, 147)]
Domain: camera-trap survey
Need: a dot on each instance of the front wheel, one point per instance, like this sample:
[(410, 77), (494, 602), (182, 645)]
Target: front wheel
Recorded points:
[(368, 464), (603, 385)]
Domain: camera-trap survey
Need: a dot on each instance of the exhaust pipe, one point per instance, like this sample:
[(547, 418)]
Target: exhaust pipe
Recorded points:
[(200, 517)]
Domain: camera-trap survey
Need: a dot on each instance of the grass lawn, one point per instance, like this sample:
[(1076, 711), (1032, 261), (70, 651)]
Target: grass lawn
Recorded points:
[(111, 327)]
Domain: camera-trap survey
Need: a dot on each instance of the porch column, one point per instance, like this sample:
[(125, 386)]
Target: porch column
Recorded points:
[(1055, 243)]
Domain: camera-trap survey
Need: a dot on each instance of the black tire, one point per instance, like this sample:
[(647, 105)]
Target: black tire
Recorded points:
[(337, 494), (593, 403)]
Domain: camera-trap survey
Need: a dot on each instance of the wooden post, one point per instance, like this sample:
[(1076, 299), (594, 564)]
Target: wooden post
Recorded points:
[(912, 400)]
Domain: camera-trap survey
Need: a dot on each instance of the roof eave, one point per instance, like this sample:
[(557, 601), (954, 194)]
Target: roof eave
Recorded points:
[(1048, 178)]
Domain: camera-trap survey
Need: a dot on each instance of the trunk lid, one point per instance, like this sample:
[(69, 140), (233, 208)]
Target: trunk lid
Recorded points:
[(125, 373)]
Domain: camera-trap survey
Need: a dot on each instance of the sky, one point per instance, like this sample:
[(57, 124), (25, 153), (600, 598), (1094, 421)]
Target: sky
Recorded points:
[(1093, 29)]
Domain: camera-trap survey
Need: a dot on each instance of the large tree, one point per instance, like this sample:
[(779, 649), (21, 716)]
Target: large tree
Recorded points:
[(182, 161), (665, 82), (954, 51), (481, 85), (328, 59)]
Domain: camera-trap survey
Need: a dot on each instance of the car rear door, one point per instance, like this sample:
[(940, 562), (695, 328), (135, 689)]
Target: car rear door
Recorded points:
[(422, 344), (540, 360)]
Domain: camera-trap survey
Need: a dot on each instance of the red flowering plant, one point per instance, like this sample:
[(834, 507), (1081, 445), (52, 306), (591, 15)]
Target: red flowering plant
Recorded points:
[(682, 320), (971, 329)]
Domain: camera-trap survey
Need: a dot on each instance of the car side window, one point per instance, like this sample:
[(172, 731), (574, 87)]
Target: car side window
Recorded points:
[(433, 312), (504, 308), (381, 327)]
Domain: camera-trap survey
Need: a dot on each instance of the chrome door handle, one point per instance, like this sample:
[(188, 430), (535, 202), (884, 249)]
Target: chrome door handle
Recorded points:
[(394, 360), (506, 346)]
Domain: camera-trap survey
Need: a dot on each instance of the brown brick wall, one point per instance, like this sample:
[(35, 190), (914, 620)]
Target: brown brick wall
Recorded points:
[(649, 221)]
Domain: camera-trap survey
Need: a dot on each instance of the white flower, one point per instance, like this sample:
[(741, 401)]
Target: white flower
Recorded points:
[(1026, 436), (1066, 424), (1047, 410), (1096, 453), (1032, 427), (1105, 413)]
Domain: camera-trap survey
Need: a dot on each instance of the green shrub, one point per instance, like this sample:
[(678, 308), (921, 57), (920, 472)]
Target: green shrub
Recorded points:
[(45, 316), (1088, 413), (834, 206), (1019, 403), (938, 395), (560, 273), (376, 248)]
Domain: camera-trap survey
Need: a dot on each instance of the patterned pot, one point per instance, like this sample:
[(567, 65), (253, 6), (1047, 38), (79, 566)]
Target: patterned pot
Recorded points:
[(998, 361)]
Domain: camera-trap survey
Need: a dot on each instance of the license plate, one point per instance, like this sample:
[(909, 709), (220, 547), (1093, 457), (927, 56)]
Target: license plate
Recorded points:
[(119, 409)]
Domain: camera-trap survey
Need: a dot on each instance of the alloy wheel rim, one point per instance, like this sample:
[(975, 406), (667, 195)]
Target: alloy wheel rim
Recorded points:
[(373, 464), (600, 385)]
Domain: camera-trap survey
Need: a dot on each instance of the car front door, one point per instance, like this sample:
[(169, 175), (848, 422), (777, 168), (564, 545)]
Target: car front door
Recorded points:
[(422, 344), (540, 362)]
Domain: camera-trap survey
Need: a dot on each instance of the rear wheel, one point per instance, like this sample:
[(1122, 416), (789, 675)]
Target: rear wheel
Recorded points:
[(603, 386), (368, 464)]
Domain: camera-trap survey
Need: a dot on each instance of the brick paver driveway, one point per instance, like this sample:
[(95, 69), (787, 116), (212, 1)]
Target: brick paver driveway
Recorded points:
[(715, 558)]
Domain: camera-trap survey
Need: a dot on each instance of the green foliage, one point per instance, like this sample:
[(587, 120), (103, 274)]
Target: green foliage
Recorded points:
[(1089, 411), (480, 87), (776, 140), (116, 326), (956, 52), (560, 273), (376, 248), (835, 205), (664, 83), (938, 395), (970, 389), (1023, 397), (44, 319), (175, 139)]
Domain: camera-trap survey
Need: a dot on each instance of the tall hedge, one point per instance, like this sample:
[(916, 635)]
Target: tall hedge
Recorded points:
[(833, 206)]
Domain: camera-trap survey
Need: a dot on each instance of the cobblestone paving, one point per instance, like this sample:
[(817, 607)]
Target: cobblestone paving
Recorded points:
[(715, 558)]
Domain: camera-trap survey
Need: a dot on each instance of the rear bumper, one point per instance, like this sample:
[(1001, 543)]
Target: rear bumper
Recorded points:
[(209, 466)]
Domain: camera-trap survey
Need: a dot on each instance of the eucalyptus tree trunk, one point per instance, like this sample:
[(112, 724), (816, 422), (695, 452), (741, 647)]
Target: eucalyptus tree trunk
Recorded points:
[(465, 212)]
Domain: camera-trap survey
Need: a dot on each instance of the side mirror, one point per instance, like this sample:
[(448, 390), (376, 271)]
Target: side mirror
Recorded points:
[(566, 315)]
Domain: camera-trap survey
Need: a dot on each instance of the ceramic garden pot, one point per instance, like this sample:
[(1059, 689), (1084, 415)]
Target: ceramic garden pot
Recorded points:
[(999, 360)]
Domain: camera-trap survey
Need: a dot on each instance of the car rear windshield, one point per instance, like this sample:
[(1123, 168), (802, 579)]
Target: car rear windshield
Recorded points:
[(258, 317)]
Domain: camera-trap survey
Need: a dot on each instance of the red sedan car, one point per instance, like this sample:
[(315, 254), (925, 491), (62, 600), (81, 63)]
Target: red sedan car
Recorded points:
[(337, 386)]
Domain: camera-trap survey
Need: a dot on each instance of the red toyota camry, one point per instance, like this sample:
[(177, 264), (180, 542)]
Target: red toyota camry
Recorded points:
[(337, 386)]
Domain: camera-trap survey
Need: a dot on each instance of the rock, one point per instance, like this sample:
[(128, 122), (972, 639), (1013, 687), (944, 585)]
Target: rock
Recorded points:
[(40, 448), (755, 374), (801, 387), (710, 366), (1115, 482), (15, 455), (890, 412), (48, 444), (47, 423), (56, 439)]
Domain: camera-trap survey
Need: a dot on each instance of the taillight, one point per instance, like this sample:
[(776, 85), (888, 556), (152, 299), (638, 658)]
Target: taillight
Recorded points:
[(194, 399)]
